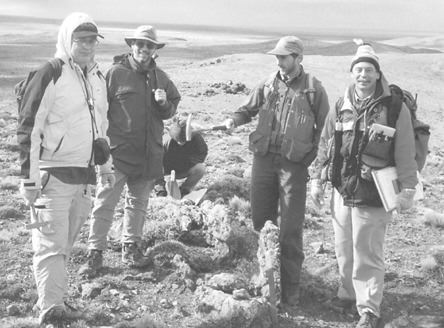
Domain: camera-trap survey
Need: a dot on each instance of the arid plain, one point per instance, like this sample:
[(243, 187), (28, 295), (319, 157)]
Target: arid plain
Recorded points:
[(205, 64)]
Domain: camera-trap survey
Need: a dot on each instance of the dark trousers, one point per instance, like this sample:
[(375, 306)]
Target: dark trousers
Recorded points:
[(279, 183)]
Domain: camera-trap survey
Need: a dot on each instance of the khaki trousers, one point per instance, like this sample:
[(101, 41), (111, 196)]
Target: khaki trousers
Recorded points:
[(137, 194), (359, 245), (66, 208)]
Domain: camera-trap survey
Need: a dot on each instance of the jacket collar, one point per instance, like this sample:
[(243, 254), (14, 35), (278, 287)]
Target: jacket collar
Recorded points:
[(382, 91)]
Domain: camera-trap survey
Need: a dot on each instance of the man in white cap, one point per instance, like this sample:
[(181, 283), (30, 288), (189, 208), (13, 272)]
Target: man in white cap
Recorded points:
[(292, 107), (61, 114), (140, 96), (359, 218)]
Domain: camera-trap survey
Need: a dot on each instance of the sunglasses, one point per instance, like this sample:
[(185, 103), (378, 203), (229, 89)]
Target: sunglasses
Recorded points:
[(141, 44)]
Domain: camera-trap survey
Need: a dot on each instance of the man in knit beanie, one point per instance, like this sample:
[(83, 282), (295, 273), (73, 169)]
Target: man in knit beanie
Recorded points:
[(359, 218), (365, 54)]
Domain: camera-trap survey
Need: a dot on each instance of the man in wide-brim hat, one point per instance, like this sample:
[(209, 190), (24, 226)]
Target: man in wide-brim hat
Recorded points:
[(141, 96), (145, 33)]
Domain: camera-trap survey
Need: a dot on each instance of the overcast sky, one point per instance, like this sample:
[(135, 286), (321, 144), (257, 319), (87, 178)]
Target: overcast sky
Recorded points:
[(379, 15)]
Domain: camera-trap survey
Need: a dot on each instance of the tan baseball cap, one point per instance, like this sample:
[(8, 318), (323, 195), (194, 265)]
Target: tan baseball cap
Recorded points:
[(287, 45)]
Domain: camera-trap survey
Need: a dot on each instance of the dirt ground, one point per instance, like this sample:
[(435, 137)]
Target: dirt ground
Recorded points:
[(414, 287)]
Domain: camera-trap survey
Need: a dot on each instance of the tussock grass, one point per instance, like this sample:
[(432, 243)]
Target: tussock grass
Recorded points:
[(434, 219), (9, 183), (9, 212), (6, 235)]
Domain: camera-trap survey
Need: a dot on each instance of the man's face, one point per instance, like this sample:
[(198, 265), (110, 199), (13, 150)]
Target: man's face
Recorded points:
[(288, 64), (83, 50), (365, 76), (143, 51)]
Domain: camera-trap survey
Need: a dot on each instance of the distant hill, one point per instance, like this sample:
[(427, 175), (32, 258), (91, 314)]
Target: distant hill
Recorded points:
[(312, 47), (429, 42), (349, 48)]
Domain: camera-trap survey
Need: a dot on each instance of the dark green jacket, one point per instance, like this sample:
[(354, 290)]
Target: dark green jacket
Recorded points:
[(135, 119)]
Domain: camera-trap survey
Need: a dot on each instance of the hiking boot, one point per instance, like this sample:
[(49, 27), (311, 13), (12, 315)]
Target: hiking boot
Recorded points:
[(133, 256), (369, 320), (289, 298), (93, 264), (54, 318), (72, 313), (342, 305)]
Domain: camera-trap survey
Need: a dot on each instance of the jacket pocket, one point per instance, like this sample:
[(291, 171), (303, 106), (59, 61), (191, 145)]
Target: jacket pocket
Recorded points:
[(295, 150), (259, 143)]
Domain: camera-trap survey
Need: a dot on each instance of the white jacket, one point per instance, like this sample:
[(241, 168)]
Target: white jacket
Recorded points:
[(62, 131)]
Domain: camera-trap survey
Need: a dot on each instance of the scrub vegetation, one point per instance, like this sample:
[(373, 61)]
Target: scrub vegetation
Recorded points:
[(191, 246)]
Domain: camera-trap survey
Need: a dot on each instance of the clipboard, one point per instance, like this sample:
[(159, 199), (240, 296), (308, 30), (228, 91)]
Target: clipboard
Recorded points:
[(388, 185)]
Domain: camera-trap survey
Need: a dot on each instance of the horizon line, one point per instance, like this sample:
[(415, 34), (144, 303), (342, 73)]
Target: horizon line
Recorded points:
[(271, 31)]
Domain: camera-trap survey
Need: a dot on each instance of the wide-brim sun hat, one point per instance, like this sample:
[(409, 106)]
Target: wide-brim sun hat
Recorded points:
[(147, 33)]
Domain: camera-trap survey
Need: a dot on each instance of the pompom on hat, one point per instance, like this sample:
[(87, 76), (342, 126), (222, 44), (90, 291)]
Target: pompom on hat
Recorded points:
[(365, 53)]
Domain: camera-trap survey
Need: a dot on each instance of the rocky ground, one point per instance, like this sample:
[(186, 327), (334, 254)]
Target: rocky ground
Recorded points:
[(205, 270)]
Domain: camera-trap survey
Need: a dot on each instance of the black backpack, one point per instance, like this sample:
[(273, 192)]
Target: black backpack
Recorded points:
[(421, 131), (21, 87)]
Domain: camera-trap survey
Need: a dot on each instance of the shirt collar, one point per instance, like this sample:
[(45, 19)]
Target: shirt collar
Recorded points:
[(289, 79)]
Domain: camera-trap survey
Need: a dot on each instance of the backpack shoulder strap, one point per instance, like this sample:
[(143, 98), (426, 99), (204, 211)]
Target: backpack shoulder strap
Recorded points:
[(56, 64), (338, 106), (310, 90), (395, 104)]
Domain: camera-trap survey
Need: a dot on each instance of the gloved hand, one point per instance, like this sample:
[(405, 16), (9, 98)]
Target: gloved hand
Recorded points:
[(29, 193), (107, 180), (229, 123), (106, 177), (405, 199), (317, 193), (160, 96)]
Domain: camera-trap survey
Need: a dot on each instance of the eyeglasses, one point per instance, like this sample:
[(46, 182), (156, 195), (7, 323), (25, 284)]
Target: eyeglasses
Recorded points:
[(141, 44), (87, 41), (367, 70)]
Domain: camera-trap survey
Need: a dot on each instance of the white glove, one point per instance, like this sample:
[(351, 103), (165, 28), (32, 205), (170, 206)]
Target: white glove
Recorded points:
[(106, 176), (107, 180), (160, 96), (229, 123), (317, 193), (29, 193), (405, 199)]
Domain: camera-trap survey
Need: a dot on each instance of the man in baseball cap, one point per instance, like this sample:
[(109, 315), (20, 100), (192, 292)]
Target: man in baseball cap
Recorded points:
[(292, 106), (287, 45)]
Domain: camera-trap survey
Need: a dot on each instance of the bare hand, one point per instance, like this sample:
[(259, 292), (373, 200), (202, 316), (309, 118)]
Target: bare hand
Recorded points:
[(30, 195), (229, 123)]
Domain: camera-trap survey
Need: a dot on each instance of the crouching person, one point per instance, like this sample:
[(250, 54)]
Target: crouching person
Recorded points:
[(61, 115), (186, 158)]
